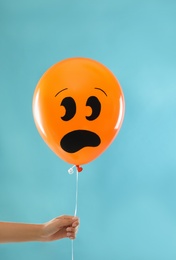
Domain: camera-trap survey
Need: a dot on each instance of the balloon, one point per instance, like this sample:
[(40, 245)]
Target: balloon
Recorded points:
[(78, 108)]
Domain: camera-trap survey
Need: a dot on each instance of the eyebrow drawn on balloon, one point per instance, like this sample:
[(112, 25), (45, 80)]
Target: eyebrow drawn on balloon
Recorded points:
[(102, 91), (60, 91)]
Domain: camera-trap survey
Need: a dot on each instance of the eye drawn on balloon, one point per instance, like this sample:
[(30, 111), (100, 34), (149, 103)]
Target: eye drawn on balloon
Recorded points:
[(70, 108), (95, 105)]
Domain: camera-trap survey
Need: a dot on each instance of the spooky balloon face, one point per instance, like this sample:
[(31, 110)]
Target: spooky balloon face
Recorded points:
[(78, 107)]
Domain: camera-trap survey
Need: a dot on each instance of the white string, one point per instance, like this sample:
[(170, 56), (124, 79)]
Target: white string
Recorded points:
[(76, 203), (76, 208)]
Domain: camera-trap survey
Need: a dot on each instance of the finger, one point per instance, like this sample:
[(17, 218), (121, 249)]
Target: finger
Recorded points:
[(71, 232), (64, 221), (75, 223), (72, 238), (71, 229), (71, 235)]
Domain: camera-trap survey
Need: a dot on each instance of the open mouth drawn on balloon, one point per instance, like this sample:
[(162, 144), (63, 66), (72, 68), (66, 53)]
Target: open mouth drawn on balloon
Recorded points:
[(78, 139)]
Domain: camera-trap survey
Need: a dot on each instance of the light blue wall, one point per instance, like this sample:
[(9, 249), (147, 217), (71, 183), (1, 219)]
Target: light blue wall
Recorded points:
[(127, 197)]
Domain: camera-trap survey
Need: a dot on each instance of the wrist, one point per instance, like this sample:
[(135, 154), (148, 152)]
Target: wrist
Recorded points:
[(40, 233)]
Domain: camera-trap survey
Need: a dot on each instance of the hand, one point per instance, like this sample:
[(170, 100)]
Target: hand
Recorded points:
[(60, 227)]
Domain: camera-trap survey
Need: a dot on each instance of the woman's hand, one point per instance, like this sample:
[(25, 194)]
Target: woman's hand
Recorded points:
[(60, 227), (57, 228)]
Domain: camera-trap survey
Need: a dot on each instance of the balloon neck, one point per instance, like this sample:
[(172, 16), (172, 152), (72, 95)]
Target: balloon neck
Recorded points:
[(79, 169)]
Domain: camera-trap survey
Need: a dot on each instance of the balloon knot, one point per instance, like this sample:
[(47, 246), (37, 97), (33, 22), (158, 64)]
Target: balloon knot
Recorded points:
[(79, 169)]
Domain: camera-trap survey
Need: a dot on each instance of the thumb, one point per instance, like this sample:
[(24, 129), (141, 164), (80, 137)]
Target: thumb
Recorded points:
[(64, 221)]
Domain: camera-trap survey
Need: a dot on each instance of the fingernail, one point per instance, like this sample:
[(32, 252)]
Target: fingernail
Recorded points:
[(68, 234)]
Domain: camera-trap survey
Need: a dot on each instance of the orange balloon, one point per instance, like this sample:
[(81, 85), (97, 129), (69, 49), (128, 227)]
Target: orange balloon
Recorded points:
[(78, 108)]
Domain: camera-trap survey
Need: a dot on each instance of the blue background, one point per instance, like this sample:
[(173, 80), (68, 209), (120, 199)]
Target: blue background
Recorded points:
[(127, 196)]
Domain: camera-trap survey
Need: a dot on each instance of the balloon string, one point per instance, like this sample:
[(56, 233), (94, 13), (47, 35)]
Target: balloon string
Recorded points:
[(76, 203), (76, 208), (72, 250)]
